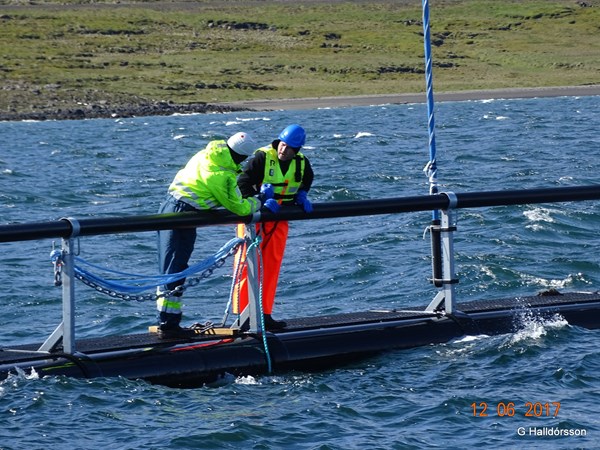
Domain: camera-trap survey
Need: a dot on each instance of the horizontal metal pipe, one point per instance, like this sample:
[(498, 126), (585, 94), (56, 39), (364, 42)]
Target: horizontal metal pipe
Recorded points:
[(65, 228), (530, 196)]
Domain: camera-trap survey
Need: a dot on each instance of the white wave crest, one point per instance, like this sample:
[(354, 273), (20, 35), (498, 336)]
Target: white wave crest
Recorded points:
[(539, 214), (248, 380), (533, 327), (569, 280)]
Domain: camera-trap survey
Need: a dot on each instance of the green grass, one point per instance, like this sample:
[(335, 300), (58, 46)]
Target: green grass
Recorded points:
[(185, 52)]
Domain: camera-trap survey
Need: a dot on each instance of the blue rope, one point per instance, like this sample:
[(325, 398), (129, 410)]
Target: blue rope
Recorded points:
[(431, 167), (132, 285)]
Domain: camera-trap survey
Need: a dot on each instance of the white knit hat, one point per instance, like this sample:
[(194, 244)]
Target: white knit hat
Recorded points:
[(242, 143)]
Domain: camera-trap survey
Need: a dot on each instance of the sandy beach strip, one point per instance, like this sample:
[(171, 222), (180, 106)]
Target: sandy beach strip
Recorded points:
[(369, 100)]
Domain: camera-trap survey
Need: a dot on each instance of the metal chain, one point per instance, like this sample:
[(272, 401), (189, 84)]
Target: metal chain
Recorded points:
[(114, 294), (57, 262), (190, 282)]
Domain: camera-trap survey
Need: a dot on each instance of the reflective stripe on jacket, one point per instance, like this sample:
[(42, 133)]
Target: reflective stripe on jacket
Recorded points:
[(285, 185), (209, 180)]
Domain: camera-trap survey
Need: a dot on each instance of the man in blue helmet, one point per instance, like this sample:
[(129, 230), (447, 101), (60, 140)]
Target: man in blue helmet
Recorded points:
[(289, 174)]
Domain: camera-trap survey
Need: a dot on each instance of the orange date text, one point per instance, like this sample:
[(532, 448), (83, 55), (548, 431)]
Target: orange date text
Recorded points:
[(511, 409)]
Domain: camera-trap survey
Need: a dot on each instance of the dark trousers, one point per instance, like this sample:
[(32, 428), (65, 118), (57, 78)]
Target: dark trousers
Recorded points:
[(175, 246)]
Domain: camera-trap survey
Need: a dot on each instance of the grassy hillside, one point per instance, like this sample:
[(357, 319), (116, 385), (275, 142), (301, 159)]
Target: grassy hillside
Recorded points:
[(118, 53)]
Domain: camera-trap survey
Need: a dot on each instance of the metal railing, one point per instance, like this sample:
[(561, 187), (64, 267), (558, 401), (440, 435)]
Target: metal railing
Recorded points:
[(70, 229)]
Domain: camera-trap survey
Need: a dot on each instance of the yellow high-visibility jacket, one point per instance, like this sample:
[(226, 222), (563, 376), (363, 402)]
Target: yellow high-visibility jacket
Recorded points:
[(285, 185), (209, 181)]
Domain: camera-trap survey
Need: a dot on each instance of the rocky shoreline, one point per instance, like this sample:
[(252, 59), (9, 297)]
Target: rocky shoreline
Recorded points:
[(100, 111), (105, 110)]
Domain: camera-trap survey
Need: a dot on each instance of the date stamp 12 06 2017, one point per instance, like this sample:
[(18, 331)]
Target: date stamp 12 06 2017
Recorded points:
[(511, 409), (527, 410)]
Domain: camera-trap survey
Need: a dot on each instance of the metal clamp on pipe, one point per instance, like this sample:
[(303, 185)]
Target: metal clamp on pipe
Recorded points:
[(255, 217), (452, 200), (450, 224), (75, 226)]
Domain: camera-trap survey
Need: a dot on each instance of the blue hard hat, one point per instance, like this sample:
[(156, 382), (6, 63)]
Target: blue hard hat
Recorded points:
[(293, 135)]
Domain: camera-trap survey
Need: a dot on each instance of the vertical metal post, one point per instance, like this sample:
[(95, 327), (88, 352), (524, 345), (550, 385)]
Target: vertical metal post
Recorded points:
[(68, 293), (252, 259), (249, 318), (65, 331), (449, 279), (447, 295)]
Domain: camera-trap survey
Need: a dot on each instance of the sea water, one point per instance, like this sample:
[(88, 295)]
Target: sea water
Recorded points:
[(537, 388)]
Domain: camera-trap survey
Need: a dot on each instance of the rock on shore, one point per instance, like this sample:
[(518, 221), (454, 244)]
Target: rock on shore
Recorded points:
[(136, 107), (97, 111)]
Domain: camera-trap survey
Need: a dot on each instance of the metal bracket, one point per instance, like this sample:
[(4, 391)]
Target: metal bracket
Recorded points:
[(445, 299)]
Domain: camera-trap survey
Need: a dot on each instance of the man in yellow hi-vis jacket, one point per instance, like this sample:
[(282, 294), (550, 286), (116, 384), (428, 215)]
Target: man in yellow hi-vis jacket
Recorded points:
[(208, 181)]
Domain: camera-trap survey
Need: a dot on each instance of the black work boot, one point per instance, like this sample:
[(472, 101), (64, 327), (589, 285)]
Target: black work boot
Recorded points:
[(169, 328)]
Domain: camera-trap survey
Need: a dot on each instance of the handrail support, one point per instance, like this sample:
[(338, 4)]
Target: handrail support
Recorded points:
[(249, 318), (65, 332), (446, 298)]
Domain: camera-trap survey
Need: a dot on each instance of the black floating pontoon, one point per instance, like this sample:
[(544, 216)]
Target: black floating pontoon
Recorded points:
[(309, 343)]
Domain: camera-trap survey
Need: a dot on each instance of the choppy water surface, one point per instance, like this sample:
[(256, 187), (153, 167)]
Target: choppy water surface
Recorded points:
[(430, 397)]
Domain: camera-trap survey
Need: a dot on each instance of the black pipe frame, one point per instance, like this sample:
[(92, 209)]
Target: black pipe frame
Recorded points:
[(70, 227)]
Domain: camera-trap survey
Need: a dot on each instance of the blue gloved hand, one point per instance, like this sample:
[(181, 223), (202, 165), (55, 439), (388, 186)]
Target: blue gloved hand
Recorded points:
[(272, 205), (266, 192), (302, 200)]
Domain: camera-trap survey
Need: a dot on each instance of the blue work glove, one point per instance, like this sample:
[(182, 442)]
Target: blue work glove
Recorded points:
[(272, 205), (302, 200), (266, 192)]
